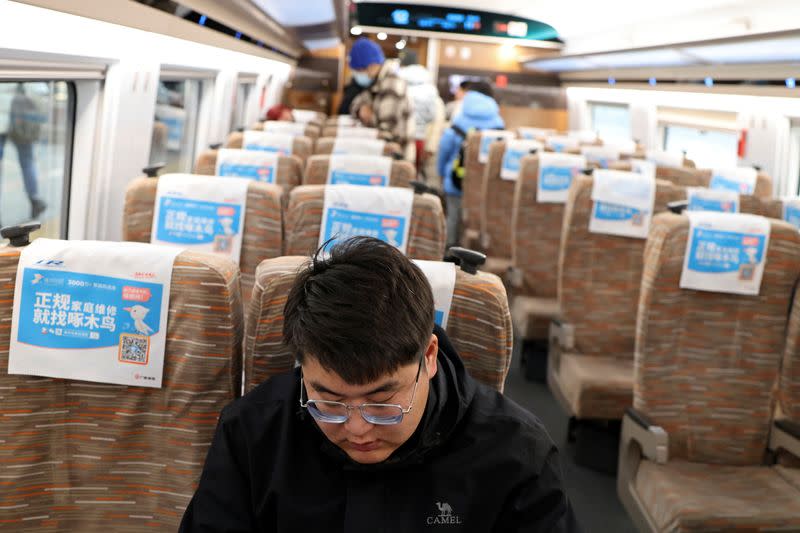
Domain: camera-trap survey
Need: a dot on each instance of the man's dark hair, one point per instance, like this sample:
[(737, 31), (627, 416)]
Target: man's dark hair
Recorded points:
[(482, 87), (362, 312), (464, 85)]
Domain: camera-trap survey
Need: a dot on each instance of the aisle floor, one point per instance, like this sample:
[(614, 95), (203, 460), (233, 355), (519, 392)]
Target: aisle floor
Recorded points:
[(593, 495)]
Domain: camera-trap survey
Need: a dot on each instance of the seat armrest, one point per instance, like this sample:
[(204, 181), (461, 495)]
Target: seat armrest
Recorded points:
[(562, 334), (652, 439), (515, 277), (785, 436)]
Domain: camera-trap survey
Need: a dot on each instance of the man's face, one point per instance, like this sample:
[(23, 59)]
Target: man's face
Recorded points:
[(364, 442)]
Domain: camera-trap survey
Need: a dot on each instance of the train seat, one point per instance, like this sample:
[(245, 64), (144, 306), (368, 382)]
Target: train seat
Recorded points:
[(692, 456), (308, 129), (499, 183), (350, 131), (590, 363), (288, 171), (472, 184), (301, 146), (327, 146), (81, 456), (262, 236), (303, 221), (402, 173), (479, 323), (536, 222)]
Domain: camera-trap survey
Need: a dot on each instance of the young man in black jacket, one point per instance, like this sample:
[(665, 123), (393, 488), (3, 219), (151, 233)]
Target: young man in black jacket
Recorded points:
[(380, 429)]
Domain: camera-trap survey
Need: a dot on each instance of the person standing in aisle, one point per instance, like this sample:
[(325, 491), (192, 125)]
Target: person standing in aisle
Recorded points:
[(478, 112)]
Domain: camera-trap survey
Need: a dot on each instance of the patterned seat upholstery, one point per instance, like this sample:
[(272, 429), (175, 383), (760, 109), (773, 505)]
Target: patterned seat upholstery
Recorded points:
[(498, 199), (598, 296), (302, 147), (472, 186), (324, 146), (426, 234), (535, 245), (479, 325), (403, 172), (89, 457), (705, 368), (262, 235), (288, 174)]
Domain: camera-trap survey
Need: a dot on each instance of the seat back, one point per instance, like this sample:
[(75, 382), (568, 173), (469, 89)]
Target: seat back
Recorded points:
[(426, 234), (402, 174), (311, 130), (479, 325), (536, 234), (472, 186), (81, 456), (262, 233), (288, 173), (693, 177), (325, 145), (707, 362), (599, 275), (498, 199), (301, 147)]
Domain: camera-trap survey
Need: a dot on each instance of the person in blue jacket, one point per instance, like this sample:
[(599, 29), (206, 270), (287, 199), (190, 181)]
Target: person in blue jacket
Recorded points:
[(478, 112)]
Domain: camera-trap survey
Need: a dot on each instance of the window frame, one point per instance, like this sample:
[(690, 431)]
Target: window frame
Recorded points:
[(592, 104), (206, 84), (53, 76)]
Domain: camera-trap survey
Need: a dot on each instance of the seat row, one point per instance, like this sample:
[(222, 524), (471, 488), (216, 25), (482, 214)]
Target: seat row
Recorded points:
[(87, 456)]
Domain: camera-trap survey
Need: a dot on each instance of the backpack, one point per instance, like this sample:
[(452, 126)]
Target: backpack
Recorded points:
[(459, 169), (26, 119)]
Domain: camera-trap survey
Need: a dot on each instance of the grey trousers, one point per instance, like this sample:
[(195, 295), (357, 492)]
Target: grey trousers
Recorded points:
[(453, 220)]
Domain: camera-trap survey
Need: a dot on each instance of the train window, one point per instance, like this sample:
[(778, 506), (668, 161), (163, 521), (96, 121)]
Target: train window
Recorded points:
[(240, 101), (707, 148), (175, 126), (36, 127), (612, 122)]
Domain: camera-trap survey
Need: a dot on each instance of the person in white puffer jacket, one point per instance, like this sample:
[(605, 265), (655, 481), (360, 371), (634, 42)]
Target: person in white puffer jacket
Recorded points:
[(429, 113)]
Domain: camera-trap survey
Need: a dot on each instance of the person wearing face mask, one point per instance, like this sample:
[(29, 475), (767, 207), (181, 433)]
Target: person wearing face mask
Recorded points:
[(380, 428), (384, 104)]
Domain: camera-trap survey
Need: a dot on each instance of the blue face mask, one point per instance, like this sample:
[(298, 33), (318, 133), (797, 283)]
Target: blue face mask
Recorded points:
[(362, 78)]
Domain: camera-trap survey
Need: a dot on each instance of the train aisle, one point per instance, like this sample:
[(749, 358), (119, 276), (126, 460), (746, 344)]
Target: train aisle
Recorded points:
[(593, 495)]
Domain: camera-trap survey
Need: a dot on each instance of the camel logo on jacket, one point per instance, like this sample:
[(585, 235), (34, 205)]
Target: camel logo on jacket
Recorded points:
[(446, 515)]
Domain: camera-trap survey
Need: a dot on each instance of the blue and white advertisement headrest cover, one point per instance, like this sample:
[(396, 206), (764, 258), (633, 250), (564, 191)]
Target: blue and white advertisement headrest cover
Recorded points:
[(356, 146), (725, 252), (281, 143), (285, 127), (93, 311), (356, 132), (516, 149), (623, 203), (556, 172), (487, 138), (200, 213), (380, 212), (252, 164), (741, 179), (442, 277), (703, 199), (791, 210), (370, 170)]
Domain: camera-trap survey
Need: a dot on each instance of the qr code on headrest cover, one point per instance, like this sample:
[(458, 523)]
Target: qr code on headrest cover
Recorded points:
[(134, 349)]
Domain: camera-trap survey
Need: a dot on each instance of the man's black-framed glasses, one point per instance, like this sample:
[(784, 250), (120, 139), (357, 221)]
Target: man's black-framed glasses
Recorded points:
[(381, 414)]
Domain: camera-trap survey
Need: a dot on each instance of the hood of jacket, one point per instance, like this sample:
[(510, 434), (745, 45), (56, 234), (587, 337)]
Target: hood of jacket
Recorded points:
[(449, 397), (478, 107)]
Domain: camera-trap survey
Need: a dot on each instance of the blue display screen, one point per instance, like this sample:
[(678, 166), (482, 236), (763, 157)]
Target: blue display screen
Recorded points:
[(453, 20)]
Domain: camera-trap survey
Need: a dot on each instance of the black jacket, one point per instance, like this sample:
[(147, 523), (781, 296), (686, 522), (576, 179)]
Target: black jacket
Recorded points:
[(476, 463)]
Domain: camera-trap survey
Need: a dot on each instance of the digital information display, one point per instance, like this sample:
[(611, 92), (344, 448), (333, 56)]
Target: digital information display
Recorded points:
[(453, 20)]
